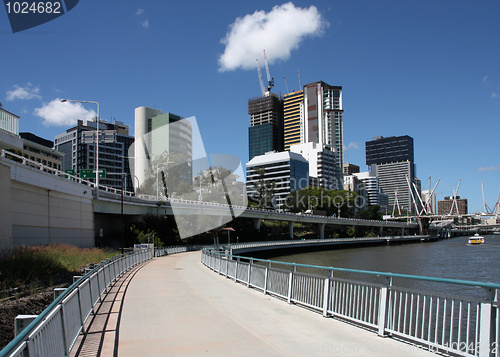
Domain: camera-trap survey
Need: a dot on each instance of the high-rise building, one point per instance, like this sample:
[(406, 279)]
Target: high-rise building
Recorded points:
[(274, 175), (293, 104), (114, 143), (322, 121), (371, 187), (322, 164), (392, 161), (391, 149), (266, 124), (160, 140)]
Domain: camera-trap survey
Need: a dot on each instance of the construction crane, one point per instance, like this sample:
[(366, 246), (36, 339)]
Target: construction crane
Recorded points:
[(260, 79), (270, 81), (286, 84)]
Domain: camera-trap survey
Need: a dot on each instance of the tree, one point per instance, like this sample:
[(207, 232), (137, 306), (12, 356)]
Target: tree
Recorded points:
[(318, 198), (372, 212)]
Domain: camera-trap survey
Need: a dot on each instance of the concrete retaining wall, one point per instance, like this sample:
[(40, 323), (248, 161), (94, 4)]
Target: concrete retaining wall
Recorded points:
[(5, 208), (47, 209)]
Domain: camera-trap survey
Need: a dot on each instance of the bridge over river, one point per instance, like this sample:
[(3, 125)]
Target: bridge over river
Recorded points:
[(41, 205)]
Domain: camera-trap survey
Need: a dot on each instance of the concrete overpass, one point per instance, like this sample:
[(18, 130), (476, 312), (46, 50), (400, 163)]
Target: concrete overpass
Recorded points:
[(41, 205)]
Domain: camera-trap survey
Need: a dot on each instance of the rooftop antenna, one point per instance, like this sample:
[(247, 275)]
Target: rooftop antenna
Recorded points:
[(300, 84), (263, 90), (270, 81), (286, 84)]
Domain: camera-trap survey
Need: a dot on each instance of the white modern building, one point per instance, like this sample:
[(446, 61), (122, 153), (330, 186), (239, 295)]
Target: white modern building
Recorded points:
[(160, 139), (371, 186), (322, 164), (322, 121), (429, 201), (272, 176)]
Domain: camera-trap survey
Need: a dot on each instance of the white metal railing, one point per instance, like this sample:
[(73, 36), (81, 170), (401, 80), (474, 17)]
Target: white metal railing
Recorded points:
[(37, 165), (433, 321), (298, 242), (55, 331), (162, 251)]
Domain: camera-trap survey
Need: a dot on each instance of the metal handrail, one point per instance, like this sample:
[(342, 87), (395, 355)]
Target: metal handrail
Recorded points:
[(367, 272), (434, 321), (21, 341)]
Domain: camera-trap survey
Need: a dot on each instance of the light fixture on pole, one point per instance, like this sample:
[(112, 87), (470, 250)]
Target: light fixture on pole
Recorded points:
[(97, 140)]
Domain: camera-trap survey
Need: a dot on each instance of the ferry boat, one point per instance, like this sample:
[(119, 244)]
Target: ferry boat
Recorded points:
[(476, 239)]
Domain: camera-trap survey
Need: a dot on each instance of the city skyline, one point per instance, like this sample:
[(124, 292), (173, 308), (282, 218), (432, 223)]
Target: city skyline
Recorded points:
[(428, 71)]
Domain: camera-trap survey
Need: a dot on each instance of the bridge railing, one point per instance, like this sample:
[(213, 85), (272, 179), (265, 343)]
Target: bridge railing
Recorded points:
[(162, 251), (296, 242), (37, 165), (55, 331), (51, 170), (455, 325)]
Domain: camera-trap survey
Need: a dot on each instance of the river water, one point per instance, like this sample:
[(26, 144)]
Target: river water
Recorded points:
[(450, 258)]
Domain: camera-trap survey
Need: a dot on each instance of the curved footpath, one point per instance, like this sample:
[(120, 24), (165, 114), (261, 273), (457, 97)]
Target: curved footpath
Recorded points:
[(174, 306)]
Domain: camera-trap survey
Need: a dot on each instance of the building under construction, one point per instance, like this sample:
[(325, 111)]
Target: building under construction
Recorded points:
[(266, 124)]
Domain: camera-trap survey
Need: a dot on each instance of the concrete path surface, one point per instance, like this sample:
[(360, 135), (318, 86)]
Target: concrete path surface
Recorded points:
[(174, 306)]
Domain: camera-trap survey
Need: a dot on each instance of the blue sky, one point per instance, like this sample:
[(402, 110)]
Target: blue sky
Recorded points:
[(428, 69)]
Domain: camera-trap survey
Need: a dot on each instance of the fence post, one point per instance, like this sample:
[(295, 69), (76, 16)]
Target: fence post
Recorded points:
[(290, 284), (227, 265), (250, 263), (326, 293), (486, 325), (266, 276), (383, 304)]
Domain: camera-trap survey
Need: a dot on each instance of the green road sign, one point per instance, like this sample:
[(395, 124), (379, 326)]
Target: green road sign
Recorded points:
[(86, 174), (70, 172)]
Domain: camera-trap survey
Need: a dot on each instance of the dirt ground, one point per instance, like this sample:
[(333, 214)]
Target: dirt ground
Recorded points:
[(29, 305)]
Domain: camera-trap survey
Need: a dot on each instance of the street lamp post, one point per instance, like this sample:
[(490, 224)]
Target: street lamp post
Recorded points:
[(97, 140)]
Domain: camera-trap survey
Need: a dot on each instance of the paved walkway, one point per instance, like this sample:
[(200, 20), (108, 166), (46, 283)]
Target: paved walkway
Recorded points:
[(174, 306)]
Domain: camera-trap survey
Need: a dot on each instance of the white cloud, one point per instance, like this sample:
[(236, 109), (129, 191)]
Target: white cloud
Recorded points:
[(23, 93), (495, 95), (353, 145), (485, 78), (278, 33), (56, 113), (143, 22), (491, 168)]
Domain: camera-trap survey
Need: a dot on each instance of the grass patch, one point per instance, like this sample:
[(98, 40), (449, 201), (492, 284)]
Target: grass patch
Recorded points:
[(31, 267)]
